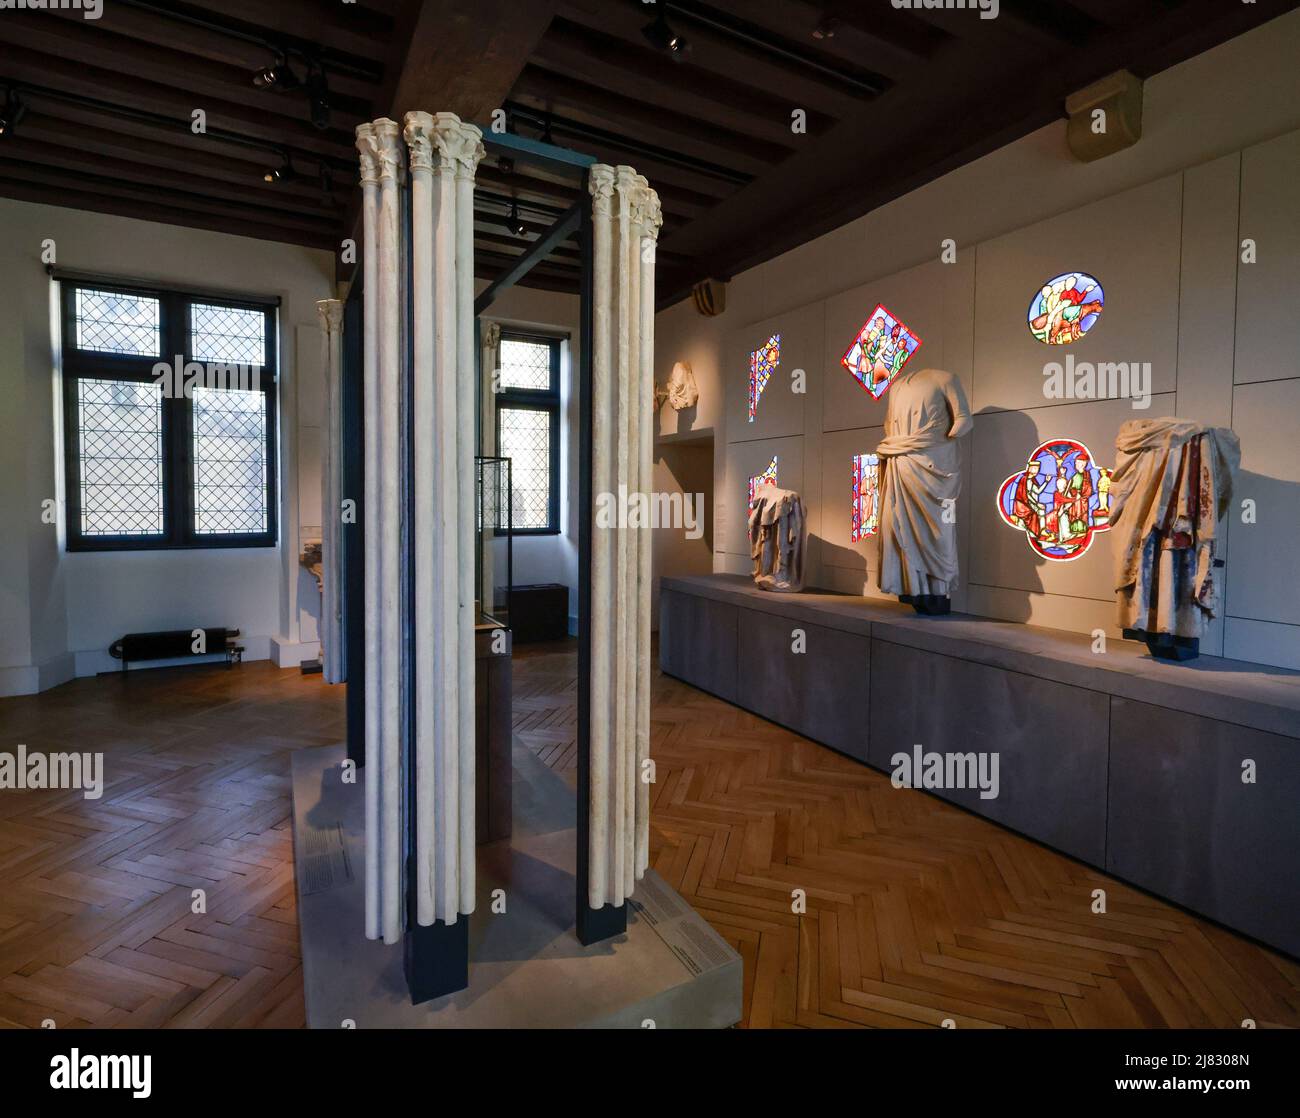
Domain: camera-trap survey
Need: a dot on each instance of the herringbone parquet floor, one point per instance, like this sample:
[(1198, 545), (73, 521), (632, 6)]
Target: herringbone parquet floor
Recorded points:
[(97, 926), (916, 911)]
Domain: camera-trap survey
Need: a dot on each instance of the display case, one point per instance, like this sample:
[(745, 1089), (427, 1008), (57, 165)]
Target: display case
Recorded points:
[(494, 547)]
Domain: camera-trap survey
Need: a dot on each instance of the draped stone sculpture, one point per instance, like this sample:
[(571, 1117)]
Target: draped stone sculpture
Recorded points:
[(1170, 487), (435, 469), (625, 221), (681, 391), (332, 655), (920, 481), (776, 539)]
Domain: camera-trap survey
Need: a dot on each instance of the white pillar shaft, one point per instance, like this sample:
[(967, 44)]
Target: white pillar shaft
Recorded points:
[(602, 658), (622, 375), (370, 528), (333, 658)]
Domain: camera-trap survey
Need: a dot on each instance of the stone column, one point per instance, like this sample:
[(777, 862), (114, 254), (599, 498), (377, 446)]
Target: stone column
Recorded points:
[(625, 225), (333, 652)]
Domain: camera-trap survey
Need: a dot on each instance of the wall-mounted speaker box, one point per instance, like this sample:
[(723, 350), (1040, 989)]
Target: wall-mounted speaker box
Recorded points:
[(539, 612)]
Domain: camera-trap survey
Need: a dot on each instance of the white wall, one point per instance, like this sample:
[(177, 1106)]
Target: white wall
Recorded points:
[(1159, 225), (60, 611), (551, 558)]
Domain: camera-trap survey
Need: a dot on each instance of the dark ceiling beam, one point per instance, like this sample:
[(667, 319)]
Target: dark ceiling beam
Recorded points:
[(716, 55), (193, 200), (75, 194), (700, 140), (759, 117), (464, 58), (348, 29), (237, 166), (86, 44), (290, 206), (62, 75), (1051, 25), (192, 41)]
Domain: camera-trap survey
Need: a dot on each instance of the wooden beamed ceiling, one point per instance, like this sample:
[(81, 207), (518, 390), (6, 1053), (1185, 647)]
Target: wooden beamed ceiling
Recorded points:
[(890, 99)]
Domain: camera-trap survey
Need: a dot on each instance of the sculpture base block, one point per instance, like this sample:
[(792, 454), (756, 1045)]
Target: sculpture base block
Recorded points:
[(526, 966)]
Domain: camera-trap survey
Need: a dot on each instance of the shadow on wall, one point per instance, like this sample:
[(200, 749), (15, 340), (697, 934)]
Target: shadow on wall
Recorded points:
[(685, 419), (1020, 566)]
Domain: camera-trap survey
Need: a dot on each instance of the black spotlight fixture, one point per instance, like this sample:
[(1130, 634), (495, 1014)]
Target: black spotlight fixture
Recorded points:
[(513, 223), (283, 173), (318, 96), (660, 35), (826, 28), (14, 111), (277, 76)]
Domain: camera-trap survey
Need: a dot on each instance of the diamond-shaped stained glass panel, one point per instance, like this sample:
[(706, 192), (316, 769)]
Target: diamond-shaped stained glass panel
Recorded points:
[(120, 438), (111, 322), (525, 364), (228, 335), (525, 438), (230, 469)]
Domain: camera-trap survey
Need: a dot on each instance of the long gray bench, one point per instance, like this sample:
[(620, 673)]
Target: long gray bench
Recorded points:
[(1130, 764)]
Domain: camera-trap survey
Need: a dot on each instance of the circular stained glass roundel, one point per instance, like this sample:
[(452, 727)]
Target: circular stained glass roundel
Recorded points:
[(1065, 308)]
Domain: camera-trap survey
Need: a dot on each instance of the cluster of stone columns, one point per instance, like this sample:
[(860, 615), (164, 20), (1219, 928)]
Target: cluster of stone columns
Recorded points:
[(332, 637), (419, 518), (625, 224)]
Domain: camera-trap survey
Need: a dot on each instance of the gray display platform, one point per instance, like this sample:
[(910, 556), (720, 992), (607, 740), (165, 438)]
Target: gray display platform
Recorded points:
[(527, 968), (1128, 763)]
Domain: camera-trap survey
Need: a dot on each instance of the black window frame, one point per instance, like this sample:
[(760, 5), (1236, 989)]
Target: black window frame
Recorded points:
[(177, 417), (544, 400)]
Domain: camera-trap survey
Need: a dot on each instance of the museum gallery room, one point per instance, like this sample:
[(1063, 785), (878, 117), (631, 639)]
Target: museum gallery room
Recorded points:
[(692, 514)]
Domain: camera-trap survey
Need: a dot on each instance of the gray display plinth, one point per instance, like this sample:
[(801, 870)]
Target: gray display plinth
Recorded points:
[(527, 968), (1130, 764)]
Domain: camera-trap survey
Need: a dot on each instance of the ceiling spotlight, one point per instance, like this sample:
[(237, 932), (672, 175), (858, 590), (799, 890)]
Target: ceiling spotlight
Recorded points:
[(277, 76), (514, 223), (326, 181), (14, 111), (318, 96), (826, 28), (283, 173), (660, 35)]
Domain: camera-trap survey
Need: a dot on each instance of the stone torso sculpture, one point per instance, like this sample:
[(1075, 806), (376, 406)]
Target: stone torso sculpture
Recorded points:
[(776, 540), (920, 480), (1170, 487)]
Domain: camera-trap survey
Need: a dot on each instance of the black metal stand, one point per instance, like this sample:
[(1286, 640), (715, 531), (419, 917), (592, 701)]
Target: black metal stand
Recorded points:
[(436, 959)]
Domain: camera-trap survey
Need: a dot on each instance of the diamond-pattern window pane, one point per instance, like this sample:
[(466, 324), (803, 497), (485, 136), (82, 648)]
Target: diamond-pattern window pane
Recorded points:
[(110, 322), (525, 438), (120, 442), (230, 480), (525, 364), (230, 335)]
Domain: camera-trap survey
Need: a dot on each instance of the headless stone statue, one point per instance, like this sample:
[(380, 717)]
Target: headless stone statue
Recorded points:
[(776, 540), (919, 483)]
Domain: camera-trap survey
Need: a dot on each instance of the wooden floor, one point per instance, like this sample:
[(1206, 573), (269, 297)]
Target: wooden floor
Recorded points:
[(916, 911)]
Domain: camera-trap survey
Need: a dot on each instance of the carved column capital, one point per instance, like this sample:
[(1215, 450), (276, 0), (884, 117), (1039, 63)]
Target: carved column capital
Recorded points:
[(491, 334), (419, 137), (388, 142), (331, 315), (460, 145), (600, 184), (368, 151)]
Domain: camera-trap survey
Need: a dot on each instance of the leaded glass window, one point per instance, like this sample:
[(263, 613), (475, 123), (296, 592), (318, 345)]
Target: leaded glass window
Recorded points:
[(165, 445), (528, 429)]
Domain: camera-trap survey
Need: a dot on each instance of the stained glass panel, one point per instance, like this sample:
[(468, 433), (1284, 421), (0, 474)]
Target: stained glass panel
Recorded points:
[(227, 335), (525, 364), (767, 477), (524, 436), (879, 352), (866, 496), (111, 322), (1060, 500), (230, 468), (762, 362), (1065, 308), (119, 430)]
